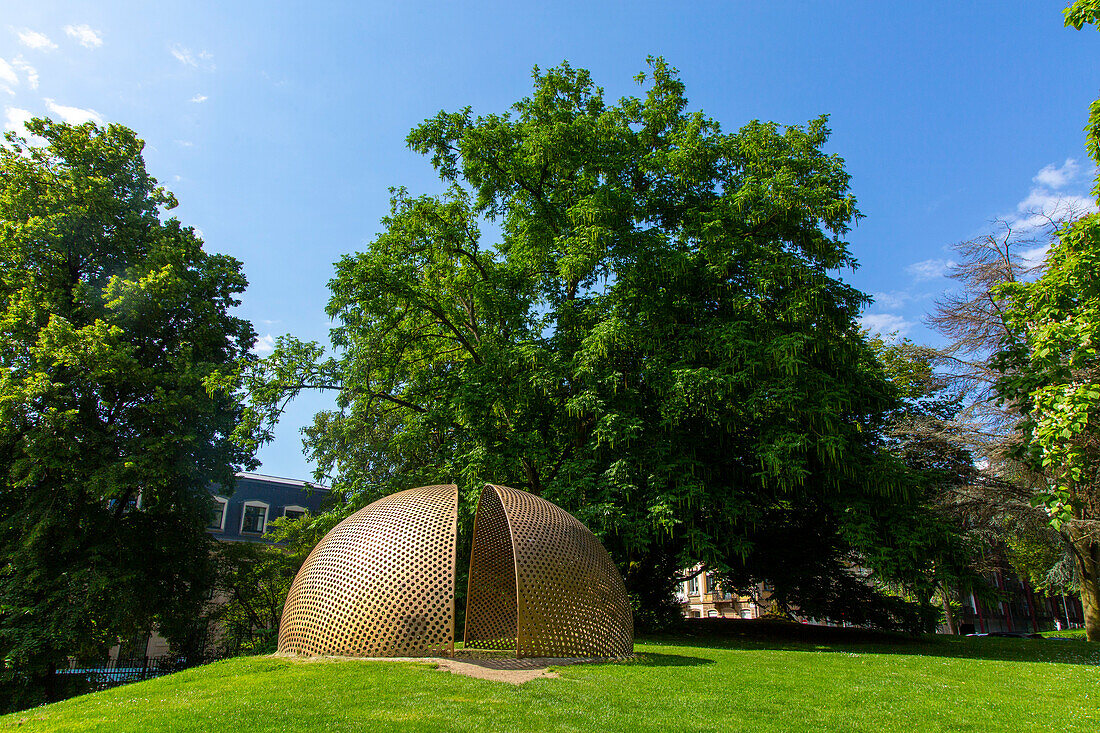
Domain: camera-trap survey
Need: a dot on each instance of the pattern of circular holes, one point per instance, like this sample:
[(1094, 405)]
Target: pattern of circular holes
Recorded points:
[(491, 594), (571, 598), (381, 583)]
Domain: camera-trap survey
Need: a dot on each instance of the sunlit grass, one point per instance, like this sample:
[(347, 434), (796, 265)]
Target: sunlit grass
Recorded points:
[(1066, 633), (676, 684)]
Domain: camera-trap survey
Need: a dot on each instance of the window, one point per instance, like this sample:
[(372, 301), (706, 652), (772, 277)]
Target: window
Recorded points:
[(293, 512), (217, 521), (746, 613), (693, 586), (708, 586), (132, 503), (254, 517), (712, 613)]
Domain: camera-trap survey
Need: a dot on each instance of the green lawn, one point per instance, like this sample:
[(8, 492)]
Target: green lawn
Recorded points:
[(702, 683), (1067, 633)]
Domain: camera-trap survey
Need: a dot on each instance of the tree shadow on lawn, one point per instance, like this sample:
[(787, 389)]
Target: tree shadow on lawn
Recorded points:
[(653, 659), (785, 636)]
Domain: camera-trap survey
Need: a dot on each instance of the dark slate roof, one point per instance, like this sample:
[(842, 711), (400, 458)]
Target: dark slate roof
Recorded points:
[(270, 493)]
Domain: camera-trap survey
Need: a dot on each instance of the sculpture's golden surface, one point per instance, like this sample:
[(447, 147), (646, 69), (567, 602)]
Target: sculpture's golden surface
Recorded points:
[(381, 583), (541, 583)]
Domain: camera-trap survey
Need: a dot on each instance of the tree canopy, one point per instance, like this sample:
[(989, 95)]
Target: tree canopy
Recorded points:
[(114, 325), (1051, 373), (655, 337), (1052, 377)]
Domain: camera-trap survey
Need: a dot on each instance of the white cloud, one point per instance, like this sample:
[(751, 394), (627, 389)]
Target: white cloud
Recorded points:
[(183, 55), (929, 269), (32, 73), (1056, 178), (202, 60), (1059, 196), (264, 345), (1031, 258), (1043, 206), (73, 115), (185, 143), (35, 40), (199, 98), (84, 33), (8, 77), (7, 73), (885, 324), (14, 119), (893, 299)]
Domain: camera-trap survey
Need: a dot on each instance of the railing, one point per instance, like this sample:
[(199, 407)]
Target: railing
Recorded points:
[(121, 671)]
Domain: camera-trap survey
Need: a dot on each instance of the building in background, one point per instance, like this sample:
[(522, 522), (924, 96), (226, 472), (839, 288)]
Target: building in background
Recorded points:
[(258, 500), (1019, 610), (243, 515), (701, 596)]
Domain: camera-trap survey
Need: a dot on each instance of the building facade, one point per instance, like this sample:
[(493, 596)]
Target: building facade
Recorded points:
[(1020, 609), (243, 515), (701, 596), (246, 514)]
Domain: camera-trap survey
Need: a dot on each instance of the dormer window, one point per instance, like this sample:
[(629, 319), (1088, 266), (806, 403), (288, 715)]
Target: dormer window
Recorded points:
[(293, 512), (217, 521), (254, 517)]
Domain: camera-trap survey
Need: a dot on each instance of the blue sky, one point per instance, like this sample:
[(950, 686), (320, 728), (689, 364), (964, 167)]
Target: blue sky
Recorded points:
[(280, 126)]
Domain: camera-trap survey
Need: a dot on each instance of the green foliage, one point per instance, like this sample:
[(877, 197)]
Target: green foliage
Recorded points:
[(924, 434), (1082, 13), (657, 341), (1034, 552), (1051, 366), (252, 582), (112, 323), (1052, 375)]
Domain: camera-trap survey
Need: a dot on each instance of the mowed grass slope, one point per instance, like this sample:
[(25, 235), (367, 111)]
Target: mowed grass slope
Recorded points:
[(675, 684)]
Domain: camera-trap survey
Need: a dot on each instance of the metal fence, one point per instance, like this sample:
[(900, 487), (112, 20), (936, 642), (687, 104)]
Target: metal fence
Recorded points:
[(120, 671)]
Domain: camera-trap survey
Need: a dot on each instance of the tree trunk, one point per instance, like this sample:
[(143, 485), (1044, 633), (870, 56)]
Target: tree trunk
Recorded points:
[(1031, 605), (948, 616), (1087, 553)]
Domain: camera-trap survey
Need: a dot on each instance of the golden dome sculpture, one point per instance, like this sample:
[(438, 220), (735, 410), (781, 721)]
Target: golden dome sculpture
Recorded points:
[(541, 583), (381, 583)]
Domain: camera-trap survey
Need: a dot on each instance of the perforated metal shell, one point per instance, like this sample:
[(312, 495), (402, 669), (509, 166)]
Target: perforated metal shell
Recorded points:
[(541, 583), (381, 583)]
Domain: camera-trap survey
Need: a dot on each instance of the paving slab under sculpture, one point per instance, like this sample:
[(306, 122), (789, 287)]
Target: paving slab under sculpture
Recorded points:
[(382, 582)]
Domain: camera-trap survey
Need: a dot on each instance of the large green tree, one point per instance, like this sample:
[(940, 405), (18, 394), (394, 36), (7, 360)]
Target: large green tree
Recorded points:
[(1052, 373), (253, 580), (655, 337), (993, 498), (114, 324), (1052, 376)]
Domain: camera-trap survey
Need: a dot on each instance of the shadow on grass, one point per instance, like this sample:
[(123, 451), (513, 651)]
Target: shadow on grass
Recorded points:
[(653, 659), (784, 636)]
